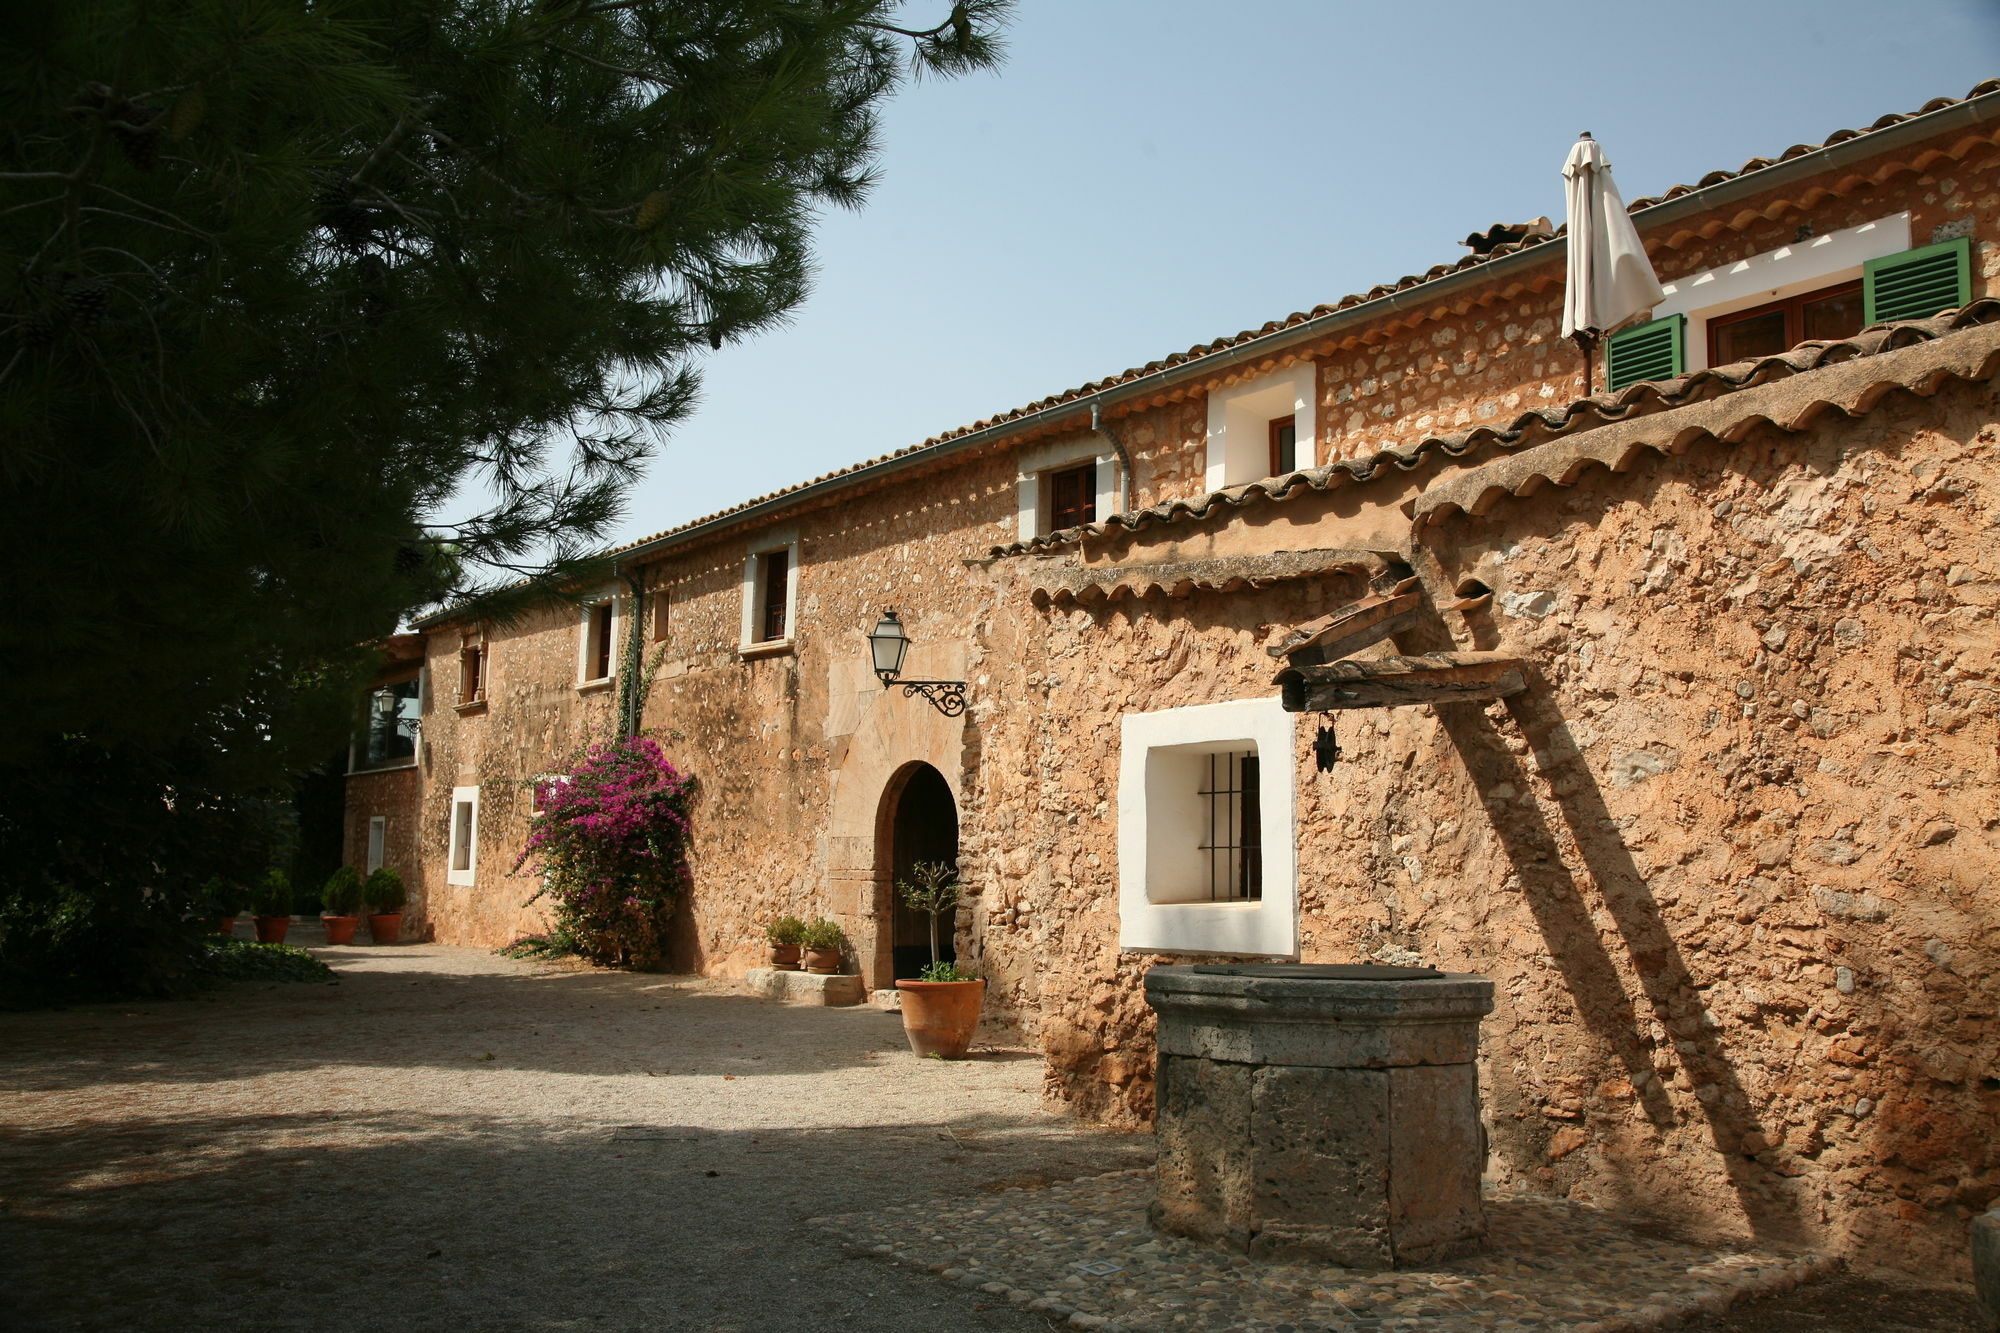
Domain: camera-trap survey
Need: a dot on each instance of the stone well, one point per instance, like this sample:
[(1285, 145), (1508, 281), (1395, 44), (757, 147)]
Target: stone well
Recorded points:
[(1324, 1113)]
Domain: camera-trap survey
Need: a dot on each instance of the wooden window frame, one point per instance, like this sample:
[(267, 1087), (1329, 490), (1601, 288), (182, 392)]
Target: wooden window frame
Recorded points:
[(1084, 510), (599, 630), (774, 577), (472, 666), (1279, 425), (1795, 316)]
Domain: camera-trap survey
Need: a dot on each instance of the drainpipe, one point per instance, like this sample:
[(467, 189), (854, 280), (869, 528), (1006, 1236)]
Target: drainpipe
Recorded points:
[(1097, 423), (629, 701)]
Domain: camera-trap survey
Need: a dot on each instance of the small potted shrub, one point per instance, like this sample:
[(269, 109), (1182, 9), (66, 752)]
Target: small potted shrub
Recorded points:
[(226, 901), (385, 896), (941, 1006), (821, 940), (785, 935), (340, 905), (271, 905)]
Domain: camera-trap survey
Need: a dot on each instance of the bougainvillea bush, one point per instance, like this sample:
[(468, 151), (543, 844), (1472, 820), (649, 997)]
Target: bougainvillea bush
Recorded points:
[(610, 843)]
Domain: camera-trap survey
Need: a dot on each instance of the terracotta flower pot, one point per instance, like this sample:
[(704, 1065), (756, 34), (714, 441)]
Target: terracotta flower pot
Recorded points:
[(385, 926), (225, 925), (785, 957), (826, 962), (939, 1017), (340, 929), (271, 929)]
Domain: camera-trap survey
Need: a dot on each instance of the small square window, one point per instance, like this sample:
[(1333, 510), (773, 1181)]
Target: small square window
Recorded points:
[(1072, 496)]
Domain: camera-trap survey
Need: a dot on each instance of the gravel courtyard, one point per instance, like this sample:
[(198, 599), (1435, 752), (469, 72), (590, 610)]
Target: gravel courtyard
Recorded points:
[(448, 1139)]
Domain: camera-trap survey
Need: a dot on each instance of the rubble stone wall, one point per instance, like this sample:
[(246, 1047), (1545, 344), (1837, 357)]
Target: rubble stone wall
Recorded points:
[(1729, 858)]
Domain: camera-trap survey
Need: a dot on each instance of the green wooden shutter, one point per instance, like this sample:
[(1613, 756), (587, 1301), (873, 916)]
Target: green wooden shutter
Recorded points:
[(1655, 351), (1919, 283)]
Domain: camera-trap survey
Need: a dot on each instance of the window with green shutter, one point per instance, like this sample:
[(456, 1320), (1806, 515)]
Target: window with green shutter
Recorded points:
[(1654, 351), (1919, 283)]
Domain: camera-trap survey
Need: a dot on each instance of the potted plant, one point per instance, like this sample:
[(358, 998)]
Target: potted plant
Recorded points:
[(785, 935), (821, 940), (340, 903), (385, 896), (941, 1006), (271, 905), (225, 903)]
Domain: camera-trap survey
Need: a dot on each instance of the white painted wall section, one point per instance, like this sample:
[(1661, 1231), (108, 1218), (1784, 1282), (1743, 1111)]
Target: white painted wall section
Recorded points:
[(1239, 424)]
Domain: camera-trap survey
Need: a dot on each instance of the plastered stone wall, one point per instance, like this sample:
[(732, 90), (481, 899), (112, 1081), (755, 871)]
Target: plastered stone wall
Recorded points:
[(395, 795), (1729, 859)]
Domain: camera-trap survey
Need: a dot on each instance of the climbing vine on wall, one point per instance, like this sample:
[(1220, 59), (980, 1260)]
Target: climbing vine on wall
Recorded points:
[(610, 843)]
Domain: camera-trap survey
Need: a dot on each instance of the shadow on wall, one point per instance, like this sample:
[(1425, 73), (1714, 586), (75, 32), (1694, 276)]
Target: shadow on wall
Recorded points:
[(327, 1221)]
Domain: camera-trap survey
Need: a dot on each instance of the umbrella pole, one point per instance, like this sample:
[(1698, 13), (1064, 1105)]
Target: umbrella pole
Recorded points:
[(1585, 342)]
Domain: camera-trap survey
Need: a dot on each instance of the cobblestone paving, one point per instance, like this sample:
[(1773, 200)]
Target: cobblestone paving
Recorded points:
[(1082, 1249)]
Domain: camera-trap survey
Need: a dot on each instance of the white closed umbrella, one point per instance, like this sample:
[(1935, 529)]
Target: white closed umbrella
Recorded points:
[(1611, 282)]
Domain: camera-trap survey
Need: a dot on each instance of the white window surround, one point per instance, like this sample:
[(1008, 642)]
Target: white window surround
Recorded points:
[(463, 851), (1035, 464), (583, 638), (1239, 423), (1789, 270), (748, 644), (1159, 823), (378, 839)]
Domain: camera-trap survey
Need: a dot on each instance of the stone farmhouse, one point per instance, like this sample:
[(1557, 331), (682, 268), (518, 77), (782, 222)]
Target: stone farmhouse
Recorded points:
[(1366, 635)]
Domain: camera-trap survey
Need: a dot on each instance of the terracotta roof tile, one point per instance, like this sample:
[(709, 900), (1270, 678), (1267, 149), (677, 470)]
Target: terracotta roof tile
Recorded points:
[(1275, 326), (1536, 427)]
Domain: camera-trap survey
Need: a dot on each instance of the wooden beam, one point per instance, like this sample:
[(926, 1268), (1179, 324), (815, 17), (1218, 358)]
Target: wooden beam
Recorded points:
[(1353, 627), (1398, 682)]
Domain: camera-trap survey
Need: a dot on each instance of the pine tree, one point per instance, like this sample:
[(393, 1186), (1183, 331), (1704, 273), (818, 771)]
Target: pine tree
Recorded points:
[(282, 283)]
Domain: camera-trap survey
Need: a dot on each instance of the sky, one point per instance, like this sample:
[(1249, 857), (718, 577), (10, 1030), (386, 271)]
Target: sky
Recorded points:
[(1141, 176)]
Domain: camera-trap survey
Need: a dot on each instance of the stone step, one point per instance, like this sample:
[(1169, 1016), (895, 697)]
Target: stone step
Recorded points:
[(805, 987)]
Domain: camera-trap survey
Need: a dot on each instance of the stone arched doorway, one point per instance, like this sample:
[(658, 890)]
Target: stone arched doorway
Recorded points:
[(918, 821)]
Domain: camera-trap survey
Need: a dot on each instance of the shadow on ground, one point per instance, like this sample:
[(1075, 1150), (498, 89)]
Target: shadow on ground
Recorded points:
[(285, 1221)]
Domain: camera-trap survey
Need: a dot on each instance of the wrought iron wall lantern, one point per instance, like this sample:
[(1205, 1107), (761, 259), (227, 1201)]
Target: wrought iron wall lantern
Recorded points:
[(887, 643)]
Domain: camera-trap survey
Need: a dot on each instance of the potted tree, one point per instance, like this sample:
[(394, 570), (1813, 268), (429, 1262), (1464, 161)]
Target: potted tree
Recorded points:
[(785, 935), (271, 905), (385, 896), (821, 939), (940, 1007), (340, 903), (225, 903)]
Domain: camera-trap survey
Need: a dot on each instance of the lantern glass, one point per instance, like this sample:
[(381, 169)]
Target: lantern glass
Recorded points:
[(887, 643)]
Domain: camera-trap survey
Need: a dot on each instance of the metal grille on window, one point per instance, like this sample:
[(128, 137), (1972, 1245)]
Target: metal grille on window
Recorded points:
[(1234, 844), (776, 569)]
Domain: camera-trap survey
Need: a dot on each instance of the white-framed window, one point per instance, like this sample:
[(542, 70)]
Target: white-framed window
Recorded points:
[(463, 851), (1257, 427), (378, 842), (1065, 485), (1207, 859), (597, 641), (770, 594), (1806, 266)]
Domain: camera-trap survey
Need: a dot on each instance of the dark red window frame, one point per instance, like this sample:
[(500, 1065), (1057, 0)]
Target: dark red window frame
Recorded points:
[(1284, 445), (600, 641), (776, 574), (1072, 496), (1794, 310)]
